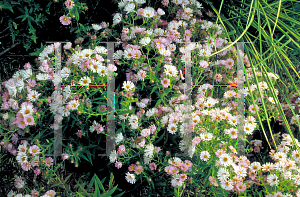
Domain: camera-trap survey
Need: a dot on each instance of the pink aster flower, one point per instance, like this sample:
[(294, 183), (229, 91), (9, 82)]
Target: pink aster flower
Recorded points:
[(118, 164), (29, 120), (34, 150), (99, 129), (240, 186), (140, 11), (139, 169), (102, 108), (136, 54), (27, 66), (160, 11), (182, 177), (111, 68), (99, 58), (152, 166), (85, 65), (121, 149), (103, 24), (188, 33), (64, 156), (165, 2), (69, 4), (5, 105), (21, 124), (31, 82), (203, 64), (157, 149), (229, 63), (131, 167), (152, 128), (213, 181), (24, 142), (196, 140), (49, 161), (26, 166), (141, 74), (37, 171), (256, 149), (183, 167), (65, 20), (68, 45), (51, 193), (14, 138), (252, 175), (172, 170), (13, 152), (79, 133), (5, 96), (252, 109), (218, 77), (165, 82)]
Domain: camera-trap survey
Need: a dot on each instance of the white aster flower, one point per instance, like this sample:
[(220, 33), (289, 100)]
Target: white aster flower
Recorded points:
[(145, 41), (96, 27), (100, 50), (129, 8), (113, 156), (42, 76), (148, 12), (205, 156), (272, 180), (65, 72), (119, 138), (73, 104), (225, 160), (102, 71), (33, 95), (149, 151), (117, 18), (128, 85), (130, 178), (85, 81)]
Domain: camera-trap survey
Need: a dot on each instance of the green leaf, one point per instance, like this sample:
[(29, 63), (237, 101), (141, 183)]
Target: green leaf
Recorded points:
[(84, 157), (33, 37), (160, 138), (98, 182), (24, 18), (153, 89), (15, 25), (6, 6), (111, 180), (110, 192), (76, 14), (67, 178), (119, 195), (157, 103), (58, 185), (97, 191), (26, 11), (80, 195)]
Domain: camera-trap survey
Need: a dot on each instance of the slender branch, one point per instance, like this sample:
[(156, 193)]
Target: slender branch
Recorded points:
[(4, 35), (4, 30), (12, 46)]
